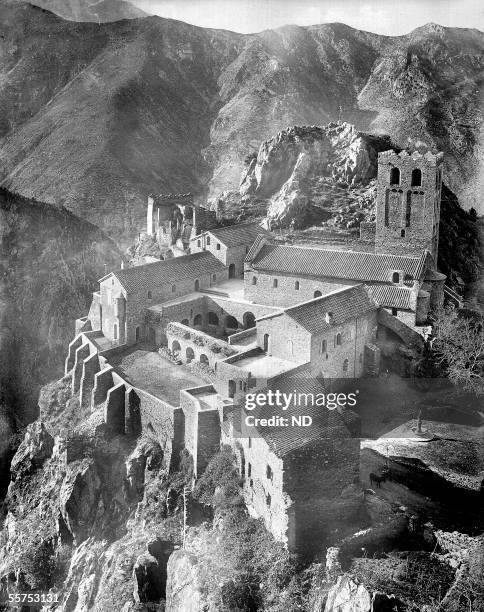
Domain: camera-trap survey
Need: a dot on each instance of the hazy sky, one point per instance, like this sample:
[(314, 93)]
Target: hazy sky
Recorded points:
[(391, 17)]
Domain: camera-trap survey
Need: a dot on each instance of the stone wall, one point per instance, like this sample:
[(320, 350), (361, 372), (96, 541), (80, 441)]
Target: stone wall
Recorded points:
[(286, 338), (367, 231), (192, 345), (286, 293)]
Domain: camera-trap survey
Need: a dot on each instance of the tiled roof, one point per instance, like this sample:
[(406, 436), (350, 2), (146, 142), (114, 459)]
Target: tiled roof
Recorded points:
[(154, 274), (326, 423), (351, 265), (392, 296), (344, 304), (236, 235)]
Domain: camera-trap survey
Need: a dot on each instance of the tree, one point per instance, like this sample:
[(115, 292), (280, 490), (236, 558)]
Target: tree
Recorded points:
[(458, 347)]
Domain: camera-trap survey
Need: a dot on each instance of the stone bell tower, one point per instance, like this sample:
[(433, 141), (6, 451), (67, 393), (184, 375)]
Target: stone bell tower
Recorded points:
[(408, 203)]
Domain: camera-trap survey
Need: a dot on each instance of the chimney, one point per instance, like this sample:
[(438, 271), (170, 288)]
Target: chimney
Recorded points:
[(329, 318)]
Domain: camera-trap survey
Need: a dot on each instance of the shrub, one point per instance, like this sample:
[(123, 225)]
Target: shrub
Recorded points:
[(220, 483)]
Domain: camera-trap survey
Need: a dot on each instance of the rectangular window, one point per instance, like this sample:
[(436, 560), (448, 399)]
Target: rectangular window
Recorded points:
[(249, 470), (323, 347), (218, 246), (275, 283)]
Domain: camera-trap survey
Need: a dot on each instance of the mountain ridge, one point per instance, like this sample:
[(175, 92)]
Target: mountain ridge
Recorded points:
[(130, 107)]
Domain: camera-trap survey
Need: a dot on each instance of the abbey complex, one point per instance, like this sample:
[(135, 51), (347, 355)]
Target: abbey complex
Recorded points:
[(236, 312)]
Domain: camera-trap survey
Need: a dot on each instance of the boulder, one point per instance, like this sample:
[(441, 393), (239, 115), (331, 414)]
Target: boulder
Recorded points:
[(79, 499), (183, 593), (34, 450), (148, 579)]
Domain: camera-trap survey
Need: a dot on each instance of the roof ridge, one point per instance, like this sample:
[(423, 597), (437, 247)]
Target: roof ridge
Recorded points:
[(323, 297), (346, 252)]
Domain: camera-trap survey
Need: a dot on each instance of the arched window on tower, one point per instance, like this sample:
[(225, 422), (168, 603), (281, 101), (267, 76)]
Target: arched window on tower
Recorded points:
[(395, 176), (396, 278), (416, 177)]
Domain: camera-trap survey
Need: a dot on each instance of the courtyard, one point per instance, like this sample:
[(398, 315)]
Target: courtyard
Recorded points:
[(148, 370)]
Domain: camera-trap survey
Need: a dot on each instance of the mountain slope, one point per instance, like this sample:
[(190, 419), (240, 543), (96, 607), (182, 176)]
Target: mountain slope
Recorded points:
[(114, 111), (49, 264), (98, 11)]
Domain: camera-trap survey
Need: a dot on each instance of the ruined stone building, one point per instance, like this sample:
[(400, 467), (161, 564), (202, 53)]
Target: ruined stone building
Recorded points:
[(243, 313)]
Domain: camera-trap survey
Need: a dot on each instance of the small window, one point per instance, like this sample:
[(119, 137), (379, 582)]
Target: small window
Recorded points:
[(218, 246), (249, 470), (214, 277), (197, 285), (254, 280), (416, 177), (150, 295), (323, 347), (268, 500), (269, 473), (250, 442), (394, 312), (112, 281), (338, 339), (361, 358), (317, 294), (241, 385), (208, 240), (246, 250), (115, 331), (402, 233), (275, 283), (296, 285), (396, 277), (199, 243), (173, 288), (345, 365), (395, 176)]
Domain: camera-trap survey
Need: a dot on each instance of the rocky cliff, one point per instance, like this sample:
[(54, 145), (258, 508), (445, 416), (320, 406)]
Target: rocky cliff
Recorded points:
[(111, 112), (50, 262)]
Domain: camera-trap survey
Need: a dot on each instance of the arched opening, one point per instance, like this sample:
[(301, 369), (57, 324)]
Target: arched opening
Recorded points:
[(151, 335), (249, 320), (323, 347), (204, 359), (231, 322), (175, 347), (338, 340), (408, 209), (395, 176), (254, 280), (232, 270), (395, 277), (296, 285), (416, 177), (137, 333), (212, 318), (185, 322), (345, 365), (232, 388), (197, 321), (115, 331), (150, 295), (275, 283), (317, 294), (190, 354), (266, 342), (197, 285)]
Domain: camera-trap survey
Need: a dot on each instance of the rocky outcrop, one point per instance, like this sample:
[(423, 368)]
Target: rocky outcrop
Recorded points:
[(183, 593), (348, 595), (33, 451), (303, 173), (79, 497)]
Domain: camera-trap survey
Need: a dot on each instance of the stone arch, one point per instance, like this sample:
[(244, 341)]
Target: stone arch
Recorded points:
[(190, 354), (198, 321), (232, 270), (395, 176), (185, 322), (248, 320), (204, 359), (231, 322), (197, 285), (175, 347), (317, 294), (416, 177)]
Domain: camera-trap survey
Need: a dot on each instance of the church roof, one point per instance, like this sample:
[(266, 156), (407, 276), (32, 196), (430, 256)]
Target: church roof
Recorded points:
[(237, 235), (392, 296), (343, 304), (326, 424), (350, 265), (140, 278)]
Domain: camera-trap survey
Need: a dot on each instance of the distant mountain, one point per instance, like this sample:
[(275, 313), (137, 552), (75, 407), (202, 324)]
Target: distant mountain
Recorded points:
[(97, 116), (98, 11)]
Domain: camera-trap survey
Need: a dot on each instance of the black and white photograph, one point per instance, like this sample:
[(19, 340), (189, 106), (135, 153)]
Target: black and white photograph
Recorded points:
[(241, 306)]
